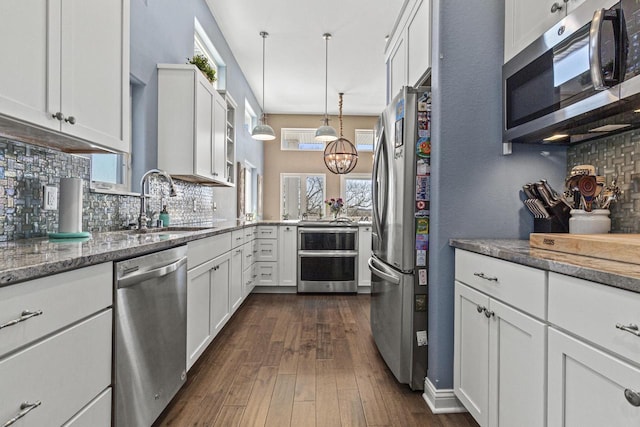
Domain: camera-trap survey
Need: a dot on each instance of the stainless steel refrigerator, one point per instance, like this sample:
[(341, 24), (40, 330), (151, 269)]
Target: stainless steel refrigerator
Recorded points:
[(399, 260)]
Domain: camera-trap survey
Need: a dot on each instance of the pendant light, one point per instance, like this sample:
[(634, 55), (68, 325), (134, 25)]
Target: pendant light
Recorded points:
[(326, 132), (263, 131), (340, 156)]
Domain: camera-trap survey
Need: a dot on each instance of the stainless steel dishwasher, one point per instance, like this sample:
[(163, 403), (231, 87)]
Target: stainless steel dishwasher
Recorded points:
[(150, 335)]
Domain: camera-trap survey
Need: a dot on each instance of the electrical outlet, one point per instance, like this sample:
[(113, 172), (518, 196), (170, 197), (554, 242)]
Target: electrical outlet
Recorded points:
[(50, 198)]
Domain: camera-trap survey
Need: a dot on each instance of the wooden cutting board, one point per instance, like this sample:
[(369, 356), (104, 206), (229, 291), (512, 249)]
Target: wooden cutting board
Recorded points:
[(615, 247)]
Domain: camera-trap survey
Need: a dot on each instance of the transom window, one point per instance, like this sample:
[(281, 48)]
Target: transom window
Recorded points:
[(364, 139), (250, 118), (300, 139), (202, 45)]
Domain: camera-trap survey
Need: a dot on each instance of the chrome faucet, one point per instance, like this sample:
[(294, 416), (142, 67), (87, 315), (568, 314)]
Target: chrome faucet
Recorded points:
[(142, 219)]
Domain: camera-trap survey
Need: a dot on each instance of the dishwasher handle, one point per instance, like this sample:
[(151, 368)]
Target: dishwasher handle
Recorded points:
[(137, 277)]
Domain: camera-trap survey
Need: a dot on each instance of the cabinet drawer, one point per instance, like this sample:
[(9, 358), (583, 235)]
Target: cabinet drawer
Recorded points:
[(95, 414), (267, 274), (64, 372), (237, 238), (248, 254), (267, 250), (248, 280), (62, 298), (199, 251), (267, 232), (518, 285), (249, 234), (592, 310)]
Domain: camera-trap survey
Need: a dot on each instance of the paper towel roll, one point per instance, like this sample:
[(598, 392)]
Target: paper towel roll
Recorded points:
[(70, 212)]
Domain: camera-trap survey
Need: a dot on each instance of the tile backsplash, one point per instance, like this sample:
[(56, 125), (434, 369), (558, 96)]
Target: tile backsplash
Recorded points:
[(25, 169), (616, 157)]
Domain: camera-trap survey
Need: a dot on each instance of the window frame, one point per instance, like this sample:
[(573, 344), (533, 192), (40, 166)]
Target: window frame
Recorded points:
[(303, 189), (373, 140), (208, 49), (310, 130), (343, 185)]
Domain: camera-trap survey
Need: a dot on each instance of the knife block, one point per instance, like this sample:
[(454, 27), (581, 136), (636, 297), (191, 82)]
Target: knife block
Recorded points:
[(557, 223)]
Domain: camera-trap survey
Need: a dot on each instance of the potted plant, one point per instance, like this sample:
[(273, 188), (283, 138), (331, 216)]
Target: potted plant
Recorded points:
[(203, 65)]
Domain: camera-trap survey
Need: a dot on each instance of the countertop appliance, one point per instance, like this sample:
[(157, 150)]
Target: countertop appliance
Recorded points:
[(327, 258), (399, 261), (150, 335), (579, 80)]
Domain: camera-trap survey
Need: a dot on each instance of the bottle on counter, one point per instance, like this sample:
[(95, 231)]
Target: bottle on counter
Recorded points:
[(164, 216)]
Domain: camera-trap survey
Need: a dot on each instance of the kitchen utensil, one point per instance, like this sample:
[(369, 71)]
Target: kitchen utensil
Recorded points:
[(589, 170), (545, 195), (587, 186)]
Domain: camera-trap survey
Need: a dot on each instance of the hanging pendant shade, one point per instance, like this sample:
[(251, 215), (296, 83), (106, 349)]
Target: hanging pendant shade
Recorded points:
[(326, 132), (263, 132), (340, 155)]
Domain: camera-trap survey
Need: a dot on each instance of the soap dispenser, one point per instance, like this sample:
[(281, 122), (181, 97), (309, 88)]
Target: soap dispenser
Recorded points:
[(164, 216)]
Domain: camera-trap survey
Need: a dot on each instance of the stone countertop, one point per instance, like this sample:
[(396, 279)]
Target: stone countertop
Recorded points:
[(618, 274), (22, 260)]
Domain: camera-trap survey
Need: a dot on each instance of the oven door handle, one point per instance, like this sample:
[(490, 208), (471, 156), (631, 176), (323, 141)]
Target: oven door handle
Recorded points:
[(325, 230), (386, 274), (325, 254)]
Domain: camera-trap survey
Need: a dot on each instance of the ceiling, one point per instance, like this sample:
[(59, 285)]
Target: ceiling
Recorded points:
[(295, 51)]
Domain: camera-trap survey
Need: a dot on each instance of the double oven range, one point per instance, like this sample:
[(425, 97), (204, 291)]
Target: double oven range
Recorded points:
[(327, 258)]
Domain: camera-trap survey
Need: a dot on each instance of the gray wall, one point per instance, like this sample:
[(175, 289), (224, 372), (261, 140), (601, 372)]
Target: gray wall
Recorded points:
[(475, 189), (162, 32)]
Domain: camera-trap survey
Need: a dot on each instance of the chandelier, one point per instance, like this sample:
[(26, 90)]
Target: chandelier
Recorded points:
[(340, 156)]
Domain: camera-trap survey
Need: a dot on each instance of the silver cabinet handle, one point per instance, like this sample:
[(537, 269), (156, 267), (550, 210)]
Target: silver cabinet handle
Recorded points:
[(58, 116), (238, 251), (556, 7), (25, 408), (25, 315), (71, 120), (631, 328), (480, 308), (632, 397), (488, 313), (485, 277)]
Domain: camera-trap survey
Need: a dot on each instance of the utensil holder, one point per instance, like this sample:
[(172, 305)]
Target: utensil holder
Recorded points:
[(595, 222)]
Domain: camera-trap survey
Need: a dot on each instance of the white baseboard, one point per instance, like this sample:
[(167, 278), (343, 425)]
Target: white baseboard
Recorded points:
[(441, 401)]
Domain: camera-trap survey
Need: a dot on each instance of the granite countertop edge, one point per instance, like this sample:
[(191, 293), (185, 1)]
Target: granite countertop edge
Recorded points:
[(612, 273)]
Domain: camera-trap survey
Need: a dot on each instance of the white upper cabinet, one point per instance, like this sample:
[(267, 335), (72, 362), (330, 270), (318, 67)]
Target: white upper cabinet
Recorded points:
[(66, 70), (192, 126), (408, 51), (526, 20)]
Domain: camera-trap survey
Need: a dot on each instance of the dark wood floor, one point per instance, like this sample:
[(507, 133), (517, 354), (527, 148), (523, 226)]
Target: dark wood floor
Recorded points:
[(299, 360)]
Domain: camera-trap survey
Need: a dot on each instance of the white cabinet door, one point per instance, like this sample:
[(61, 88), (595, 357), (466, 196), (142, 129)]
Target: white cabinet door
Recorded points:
[(517, 357), (364, 252), (586, 387), (527, 20), (27, 78), (236, 288), (419, 42), (198, 300), (397, 68), (287, 255), (220, 279), (68, 57), (471, 351), (95, 71), (219, 148), (204, 128)]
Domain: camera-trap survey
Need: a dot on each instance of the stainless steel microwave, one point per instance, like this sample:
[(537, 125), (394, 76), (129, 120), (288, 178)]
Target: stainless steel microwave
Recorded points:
[(579, 80)]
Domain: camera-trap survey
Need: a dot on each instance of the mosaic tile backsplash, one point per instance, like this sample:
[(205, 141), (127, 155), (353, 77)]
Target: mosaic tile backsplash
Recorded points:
[(25, 169), (616, 157)]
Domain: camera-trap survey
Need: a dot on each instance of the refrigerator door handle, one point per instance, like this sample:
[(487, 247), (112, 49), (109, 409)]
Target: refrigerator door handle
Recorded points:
[(386, 274), (377, 218)]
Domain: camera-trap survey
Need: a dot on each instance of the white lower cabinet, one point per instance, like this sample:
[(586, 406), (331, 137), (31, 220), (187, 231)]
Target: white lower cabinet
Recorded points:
[(594, 354), (198, 300), (64, 372), (499, 350), (220, 280), (236, 289), (95, 414), (587, 386), (267, 274), (288, 255)]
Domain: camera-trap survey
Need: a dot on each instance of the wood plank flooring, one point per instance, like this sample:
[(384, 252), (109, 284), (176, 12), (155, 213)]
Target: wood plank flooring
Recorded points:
[(299, 360)]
